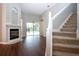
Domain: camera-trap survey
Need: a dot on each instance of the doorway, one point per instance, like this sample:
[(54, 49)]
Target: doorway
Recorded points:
[(32, 29)]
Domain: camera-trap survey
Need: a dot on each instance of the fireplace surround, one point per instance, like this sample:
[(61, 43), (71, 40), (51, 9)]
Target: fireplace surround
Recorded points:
[(14, 33)]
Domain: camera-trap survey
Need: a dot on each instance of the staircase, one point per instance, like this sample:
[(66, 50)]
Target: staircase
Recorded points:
[(65, 42)]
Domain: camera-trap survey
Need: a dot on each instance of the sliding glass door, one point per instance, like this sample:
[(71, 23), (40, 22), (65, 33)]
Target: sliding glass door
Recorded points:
[(32, 28)]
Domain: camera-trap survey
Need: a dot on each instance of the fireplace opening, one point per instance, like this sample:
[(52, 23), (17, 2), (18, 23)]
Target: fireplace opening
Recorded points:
[(14, 33)]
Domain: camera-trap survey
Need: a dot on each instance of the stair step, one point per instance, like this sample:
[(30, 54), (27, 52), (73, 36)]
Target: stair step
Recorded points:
[(66, 34), (63, 37), (70, 23), (69, 26), (73, 28), (59, 53), (72, 18), (66, 48), (69, 30), (66, 40)]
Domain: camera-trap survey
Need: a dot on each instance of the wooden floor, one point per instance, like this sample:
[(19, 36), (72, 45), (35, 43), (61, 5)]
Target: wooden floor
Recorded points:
[(30, 46)]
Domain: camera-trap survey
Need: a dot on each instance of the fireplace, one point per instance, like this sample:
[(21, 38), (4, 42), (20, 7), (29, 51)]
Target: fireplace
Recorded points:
[(14, 33)]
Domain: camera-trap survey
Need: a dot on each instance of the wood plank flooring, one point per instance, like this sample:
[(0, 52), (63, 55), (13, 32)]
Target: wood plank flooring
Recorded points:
[(30, 46)]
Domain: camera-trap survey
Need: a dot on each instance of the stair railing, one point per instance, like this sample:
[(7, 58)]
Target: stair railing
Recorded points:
[(49, 37)]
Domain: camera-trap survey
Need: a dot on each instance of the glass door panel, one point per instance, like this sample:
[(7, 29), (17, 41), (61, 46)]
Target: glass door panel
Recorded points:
[(32, 28), (36, 28), (29, 28)]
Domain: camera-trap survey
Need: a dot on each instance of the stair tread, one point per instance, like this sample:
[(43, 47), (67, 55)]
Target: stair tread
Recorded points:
[(63, 37), (66, 45), (65, 42), (59, 53), (66, 32), (68, 28), (70, 25)]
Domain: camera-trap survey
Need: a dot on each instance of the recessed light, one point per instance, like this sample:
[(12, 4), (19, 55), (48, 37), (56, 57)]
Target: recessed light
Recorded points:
[(48, 6)]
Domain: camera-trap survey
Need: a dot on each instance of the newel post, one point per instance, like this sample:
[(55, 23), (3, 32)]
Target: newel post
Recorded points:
[(49, 37)]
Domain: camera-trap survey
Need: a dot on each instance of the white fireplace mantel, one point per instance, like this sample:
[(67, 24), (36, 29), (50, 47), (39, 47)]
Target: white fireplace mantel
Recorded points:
[(11, 14)]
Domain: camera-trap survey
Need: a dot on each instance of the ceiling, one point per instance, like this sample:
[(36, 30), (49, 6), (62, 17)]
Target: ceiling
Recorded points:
[(35, 8)]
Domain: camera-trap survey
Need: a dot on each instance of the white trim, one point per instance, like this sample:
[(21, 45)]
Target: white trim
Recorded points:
[(48, 51), (55, 30), (64, 21), (77, 36), (11, 42)]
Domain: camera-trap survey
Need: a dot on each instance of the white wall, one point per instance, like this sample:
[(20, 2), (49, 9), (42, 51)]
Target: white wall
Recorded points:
[(78, 20), (56, 9), (28, 18), (53, 10), (5, 18), (64, 13), (42, 26), (1, 29), (13, 19)]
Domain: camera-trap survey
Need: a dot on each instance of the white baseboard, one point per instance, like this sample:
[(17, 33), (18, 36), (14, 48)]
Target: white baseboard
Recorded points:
[(12, 42)]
